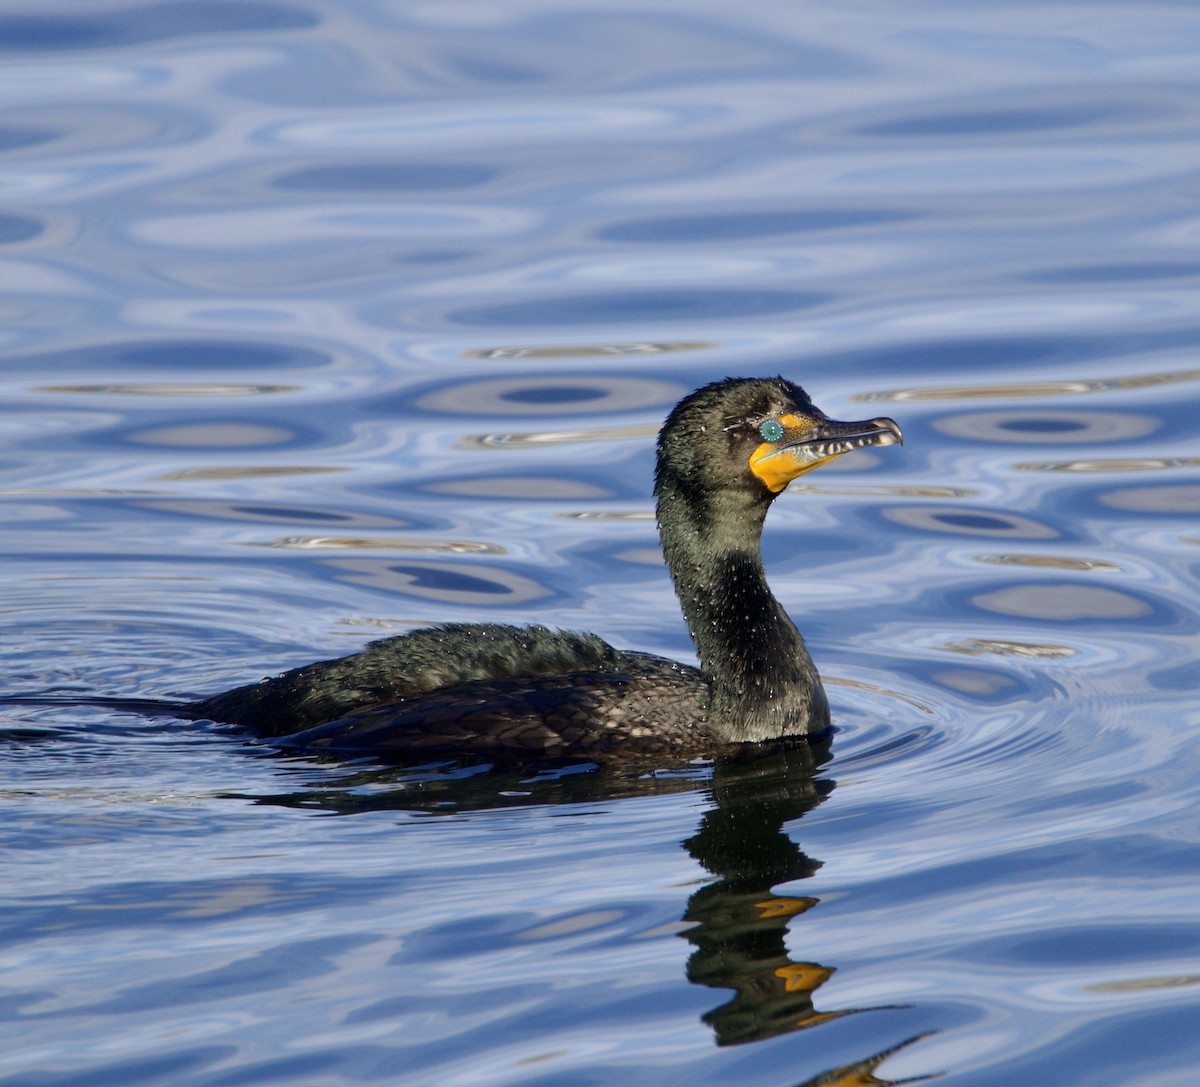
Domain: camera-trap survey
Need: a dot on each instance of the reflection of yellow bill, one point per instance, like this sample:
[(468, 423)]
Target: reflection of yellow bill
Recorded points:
[(784, 907), (803, 977)]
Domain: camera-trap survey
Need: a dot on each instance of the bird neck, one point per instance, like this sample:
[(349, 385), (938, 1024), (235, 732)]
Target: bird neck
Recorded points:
[(763, 681)]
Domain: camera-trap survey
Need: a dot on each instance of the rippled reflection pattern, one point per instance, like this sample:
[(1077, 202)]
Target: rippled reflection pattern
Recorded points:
[(1048, 427), (550, 395), (321, 322)]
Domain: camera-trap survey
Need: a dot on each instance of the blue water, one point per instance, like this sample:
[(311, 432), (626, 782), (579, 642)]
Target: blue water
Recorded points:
[(321, 321)]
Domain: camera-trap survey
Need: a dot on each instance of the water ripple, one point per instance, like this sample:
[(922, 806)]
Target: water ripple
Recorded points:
[(1035, 388), (271, 271), (147, 23)]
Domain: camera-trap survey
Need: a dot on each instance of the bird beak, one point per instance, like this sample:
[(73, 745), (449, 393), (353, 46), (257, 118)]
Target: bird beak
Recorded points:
[(807, 443)]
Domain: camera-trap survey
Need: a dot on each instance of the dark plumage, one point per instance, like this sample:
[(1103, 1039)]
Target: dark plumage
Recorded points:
[(725, 452)]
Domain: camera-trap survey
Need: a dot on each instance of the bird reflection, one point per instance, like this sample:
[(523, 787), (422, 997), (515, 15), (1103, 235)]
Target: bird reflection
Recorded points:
[(862, 1073), (737, 924), (740, 925)]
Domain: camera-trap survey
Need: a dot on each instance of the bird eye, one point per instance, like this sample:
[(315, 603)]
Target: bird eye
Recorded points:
[(771, 430)]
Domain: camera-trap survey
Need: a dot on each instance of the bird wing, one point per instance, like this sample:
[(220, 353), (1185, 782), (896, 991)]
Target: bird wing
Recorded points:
[(582, 711)]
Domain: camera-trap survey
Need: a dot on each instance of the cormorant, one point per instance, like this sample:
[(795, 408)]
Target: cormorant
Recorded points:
[(725, 452)]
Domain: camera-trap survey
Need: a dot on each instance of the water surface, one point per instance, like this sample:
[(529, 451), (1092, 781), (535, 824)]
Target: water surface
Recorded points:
[(321, 322)]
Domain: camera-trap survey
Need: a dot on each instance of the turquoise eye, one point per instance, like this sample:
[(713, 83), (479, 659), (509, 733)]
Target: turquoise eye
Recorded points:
[(771, 430)]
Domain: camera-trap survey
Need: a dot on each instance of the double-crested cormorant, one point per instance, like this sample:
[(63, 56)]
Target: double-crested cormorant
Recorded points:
[(725, 453)]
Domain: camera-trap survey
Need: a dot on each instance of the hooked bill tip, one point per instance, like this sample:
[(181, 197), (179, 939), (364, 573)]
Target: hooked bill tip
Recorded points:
[(893, 435)]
